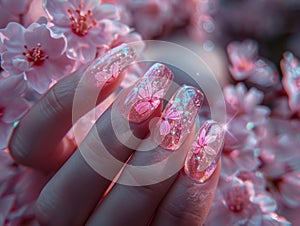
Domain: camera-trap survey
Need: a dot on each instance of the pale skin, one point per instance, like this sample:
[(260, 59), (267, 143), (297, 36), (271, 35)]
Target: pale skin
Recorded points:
[(75, 194)]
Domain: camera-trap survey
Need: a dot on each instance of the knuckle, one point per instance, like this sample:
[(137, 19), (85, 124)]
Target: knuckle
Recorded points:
[(52, 104)]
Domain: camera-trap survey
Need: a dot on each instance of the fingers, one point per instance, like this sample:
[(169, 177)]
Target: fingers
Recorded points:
[(77, 187), (76, 182), (151, 173), (36, 142), (187, 202), (190, 197)]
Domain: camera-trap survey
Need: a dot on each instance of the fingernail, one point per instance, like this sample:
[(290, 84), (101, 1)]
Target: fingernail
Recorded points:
[(202, 159), (106, 69), (147, 93), (178, 117)]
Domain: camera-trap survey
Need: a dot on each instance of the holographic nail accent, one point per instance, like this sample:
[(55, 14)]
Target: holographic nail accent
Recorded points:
[(202, 159), (178, 117), (147, 93), (105, 70)]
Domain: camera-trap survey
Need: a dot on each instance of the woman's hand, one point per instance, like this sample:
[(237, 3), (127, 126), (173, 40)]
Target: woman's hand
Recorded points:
[(151, 187)]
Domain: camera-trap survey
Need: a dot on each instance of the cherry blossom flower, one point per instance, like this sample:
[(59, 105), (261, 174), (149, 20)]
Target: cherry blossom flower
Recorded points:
[(85, 24), (203, 143), (19, 188), (171, 114), (242, 57), (149, 99), (34, 52), (290, 188), (243, 101), (240, 201), (247, 65), (291, 80), (12, 105)]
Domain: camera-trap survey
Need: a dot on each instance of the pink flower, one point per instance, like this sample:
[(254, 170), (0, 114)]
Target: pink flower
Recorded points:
[(291, 80), (264, 74), (247, 65), (12, 105), (19, 189), (242, 101), (171, 114), (34, 52), (203, 143), (242, 200), (242, 56), (290, 189), (149, 99), (86, 25)]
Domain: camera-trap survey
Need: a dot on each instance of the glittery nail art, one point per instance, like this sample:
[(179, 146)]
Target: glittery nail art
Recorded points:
[(105, 70), (202, 159), (147, 93), (178, 117)]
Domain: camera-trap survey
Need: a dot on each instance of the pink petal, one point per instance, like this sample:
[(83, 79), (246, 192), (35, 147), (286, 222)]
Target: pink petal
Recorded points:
[(143, 107), (115, 69), (210, 150), (15, 110), (40, 33), (79, 49), (146, 92), (14, 63), (201, 137), (209, 139), (195, 148), (57, 11), (159, 93), (155, 103), (12, 86), (15, 33), (173, 114), (39, 82), (164, 128), (107, 11), (102, 77)]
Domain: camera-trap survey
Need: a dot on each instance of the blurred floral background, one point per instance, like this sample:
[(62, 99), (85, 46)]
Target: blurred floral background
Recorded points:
[(255, 45)]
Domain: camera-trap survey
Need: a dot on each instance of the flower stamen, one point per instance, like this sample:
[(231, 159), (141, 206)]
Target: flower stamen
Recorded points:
[(35, 55), (81, 22)]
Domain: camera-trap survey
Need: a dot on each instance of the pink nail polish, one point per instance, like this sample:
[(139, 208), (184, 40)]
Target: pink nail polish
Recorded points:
[(106, 69), (202, 159), (147, 93), (178, 117)]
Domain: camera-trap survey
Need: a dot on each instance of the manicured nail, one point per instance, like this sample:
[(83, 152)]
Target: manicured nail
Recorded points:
[(202, 159), (106, 69), (178, 117), (147, 93)]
